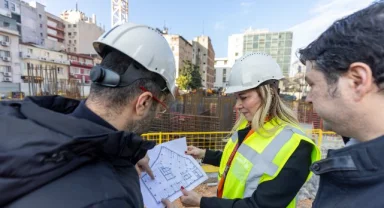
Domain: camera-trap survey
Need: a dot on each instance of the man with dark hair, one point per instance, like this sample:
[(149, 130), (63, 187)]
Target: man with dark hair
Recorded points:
[(345, 69), (58, 152)]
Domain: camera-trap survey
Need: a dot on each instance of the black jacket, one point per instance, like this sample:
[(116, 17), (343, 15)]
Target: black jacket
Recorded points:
[(352, 176), (51, 159)]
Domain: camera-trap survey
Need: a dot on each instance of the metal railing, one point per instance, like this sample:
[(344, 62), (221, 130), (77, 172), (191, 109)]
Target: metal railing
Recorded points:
[(217, 140)]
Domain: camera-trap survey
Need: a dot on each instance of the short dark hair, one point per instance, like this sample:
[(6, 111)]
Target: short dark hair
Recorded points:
[(118, 97), (358, 37)]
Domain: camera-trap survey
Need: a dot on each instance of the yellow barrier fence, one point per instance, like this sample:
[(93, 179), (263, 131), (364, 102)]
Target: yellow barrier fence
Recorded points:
[(217, 140)]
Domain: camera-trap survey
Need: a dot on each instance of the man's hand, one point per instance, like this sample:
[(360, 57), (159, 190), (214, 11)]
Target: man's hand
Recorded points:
[(168, 204), (143, 166), (190, 198)]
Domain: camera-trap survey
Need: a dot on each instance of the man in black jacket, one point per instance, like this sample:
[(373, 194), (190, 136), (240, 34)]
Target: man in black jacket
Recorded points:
[(345, 69), (59, 152)]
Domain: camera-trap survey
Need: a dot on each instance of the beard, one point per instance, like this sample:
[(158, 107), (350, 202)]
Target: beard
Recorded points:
[(143, 125)]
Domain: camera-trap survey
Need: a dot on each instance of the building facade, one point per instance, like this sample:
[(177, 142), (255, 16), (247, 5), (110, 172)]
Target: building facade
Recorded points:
[(204, 57), (222, 71), (235, 47), (9, 54), (80, 67), (276, 44), (43, 71), (182, 50), (80, 32), (55, 33)]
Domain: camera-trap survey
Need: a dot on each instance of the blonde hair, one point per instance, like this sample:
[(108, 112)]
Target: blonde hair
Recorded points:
[(272, 107)]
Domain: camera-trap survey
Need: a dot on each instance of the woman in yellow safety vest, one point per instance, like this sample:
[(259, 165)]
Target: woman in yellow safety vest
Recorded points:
[(266, 161)]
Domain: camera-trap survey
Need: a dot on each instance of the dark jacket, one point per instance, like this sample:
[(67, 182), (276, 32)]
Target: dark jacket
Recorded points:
[(278, 192), (51, 159), (352, 176)]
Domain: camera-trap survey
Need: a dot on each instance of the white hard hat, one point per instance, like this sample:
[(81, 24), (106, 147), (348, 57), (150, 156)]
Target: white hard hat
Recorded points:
[(251, 70), (143, 44)]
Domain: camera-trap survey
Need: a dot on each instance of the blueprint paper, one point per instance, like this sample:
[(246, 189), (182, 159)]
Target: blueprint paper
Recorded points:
[(172, 169)]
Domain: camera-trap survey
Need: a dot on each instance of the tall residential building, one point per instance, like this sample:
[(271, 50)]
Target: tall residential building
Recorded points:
[(204, 57), (55, 33), (80, 31), (181, 48), (222, 69), (9, 54), (235, 47), (276, 44)]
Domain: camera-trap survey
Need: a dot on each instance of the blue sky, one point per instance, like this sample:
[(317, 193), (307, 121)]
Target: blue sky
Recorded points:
[(221, 18)]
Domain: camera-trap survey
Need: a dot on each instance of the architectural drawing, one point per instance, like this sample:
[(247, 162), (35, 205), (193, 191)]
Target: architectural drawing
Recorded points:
[(172, 170)]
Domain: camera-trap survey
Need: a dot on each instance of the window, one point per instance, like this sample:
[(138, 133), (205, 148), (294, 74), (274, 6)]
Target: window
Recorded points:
[(47, 54), (74, 25), (40, 16), (4, 38), (70, 41), (8, 69), (223, 79), (41, 25), (60, 71), (74, 33), (236, 54), (41, 34), (61, 56), (6, 4), (30, 51), (225, 62), (87, 72), (69, 26), (13, 7), (224, 71), (75, 70), (69, 34), (74, 49), (6, 24), (5, 54), (69, 49)]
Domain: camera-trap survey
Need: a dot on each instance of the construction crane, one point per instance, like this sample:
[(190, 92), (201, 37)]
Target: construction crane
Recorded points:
[(119, 13)]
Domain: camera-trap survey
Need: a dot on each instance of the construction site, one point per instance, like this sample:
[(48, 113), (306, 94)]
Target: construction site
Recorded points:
[(205, 120)]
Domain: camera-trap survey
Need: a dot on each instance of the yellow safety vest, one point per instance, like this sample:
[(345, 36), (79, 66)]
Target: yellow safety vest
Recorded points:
[(260, 159)]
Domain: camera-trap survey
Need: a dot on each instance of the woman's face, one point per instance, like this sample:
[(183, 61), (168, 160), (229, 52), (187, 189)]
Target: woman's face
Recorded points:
[(248, 102)]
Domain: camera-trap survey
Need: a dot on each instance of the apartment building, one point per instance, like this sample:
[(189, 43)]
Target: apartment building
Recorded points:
[(222, 71), (55, 33), (204, 57), (276, 44), (80, 32), (80, 67), (9, 53), (181, 48)]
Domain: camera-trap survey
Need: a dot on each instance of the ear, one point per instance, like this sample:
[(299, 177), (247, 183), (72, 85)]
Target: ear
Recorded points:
[(362, 81), (144, 103)]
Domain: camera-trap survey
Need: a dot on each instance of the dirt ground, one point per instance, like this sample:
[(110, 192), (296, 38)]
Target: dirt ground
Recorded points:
[(211, 191)]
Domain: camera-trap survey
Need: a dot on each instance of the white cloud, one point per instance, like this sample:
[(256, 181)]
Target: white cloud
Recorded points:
[(246, 6), (325, 13), (220, 26)]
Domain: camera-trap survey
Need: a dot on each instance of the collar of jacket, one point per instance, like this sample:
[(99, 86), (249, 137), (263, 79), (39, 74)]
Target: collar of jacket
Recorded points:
[(116, 146), (362, 159)]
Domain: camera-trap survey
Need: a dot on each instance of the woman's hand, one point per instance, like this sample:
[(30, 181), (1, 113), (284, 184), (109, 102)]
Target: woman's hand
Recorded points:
[(195, 152)]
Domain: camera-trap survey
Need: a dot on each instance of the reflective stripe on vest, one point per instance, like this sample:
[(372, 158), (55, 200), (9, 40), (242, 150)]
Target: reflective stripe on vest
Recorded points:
[(263, 163)]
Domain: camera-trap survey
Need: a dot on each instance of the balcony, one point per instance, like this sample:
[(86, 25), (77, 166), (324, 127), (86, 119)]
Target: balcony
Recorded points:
[(81, 64), (56, 28), (61, 37), (44, 59)]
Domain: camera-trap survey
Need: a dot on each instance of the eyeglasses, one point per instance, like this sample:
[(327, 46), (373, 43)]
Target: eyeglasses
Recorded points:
[(163, 106)]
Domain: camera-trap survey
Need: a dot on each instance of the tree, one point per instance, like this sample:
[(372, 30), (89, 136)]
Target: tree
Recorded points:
[(182, 81), (190, 77)]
